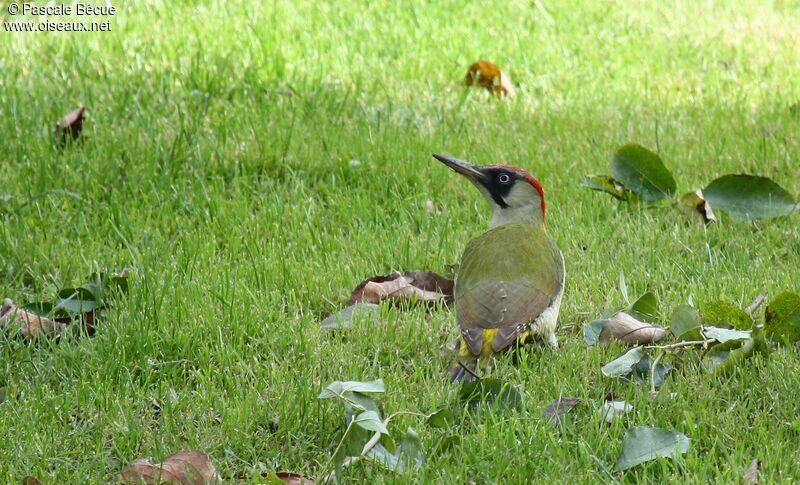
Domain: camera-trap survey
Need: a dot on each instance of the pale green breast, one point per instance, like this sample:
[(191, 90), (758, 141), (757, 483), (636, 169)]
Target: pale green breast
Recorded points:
[(508, 276)]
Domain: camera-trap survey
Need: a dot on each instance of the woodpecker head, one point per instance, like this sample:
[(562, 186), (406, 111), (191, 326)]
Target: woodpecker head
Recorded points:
[(514, 194)]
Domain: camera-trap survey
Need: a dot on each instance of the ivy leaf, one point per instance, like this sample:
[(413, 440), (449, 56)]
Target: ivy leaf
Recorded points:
[(643, 173), (643, 444), (747, 197)]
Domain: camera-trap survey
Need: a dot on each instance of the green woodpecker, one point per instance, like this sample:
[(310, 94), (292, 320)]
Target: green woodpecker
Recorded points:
[(511, 278)]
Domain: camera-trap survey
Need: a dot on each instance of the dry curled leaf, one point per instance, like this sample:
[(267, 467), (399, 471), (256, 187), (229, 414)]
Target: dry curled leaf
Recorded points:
[(70, 126), (30, 325), (488, 75), (31, 480), (424, 286), (752, 475), (629, 330), (184, 468), (693, 204)]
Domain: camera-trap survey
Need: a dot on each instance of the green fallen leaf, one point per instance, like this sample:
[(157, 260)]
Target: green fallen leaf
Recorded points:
[(642, 172), (592, 330), (408, 456), (723, 335), (737, 353), (623, 364), (76, 301), (338, 388), (645, 308), (371, 421), (643, 444), (611, 410), (40, 308), (446, 442), (782, 318), (685, 323), (747, 197), (640, 372), (490, 391), (442, 418), (355, 402), (410, 452), (348, 316), (723, 314)]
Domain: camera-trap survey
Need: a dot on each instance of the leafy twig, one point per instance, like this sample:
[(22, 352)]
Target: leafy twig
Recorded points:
[(336, 453), (368, 446), (755, 305), (680, 345), (653, 371)]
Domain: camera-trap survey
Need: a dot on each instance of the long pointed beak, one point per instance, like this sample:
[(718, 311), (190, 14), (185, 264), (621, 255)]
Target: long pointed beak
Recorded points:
[(464, 168)]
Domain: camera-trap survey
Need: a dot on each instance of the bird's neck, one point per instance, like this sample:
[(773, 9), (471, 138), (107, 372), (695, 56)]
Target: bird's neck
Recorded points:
[(530, 214)]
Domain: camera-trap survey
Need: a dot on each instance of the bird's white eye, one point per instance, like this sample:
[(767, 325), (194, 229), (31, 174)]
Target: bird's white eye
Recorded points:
[(503, 178)]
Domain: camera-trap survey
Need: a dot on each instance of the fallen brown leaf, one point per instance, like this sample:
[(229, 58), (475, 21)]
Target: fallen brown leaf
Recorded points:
[(629, 330), (184, 468), (693, 204), (560, 407), (31, 325), (31, 480), (70, 126), (291, 478), (424, 286), (488, 75), (752, 475)]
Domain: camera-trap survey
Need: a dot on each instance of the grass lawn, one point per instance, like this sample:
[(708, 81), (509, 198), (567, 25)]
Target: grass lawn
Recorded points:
[(253, 161)]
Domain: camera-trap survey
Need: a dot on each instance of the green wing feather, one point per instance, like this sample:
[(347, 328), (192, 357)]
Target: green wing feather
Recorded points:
[(508, 277)]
